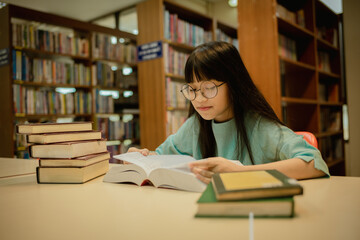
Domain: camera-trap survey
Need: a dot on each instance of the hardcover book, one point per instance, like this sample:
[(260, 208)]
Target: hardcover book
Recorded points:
[(74, 162), (47, 138), (53, 127), (68, 149), (71, 174), (254, 185), (165, 171), (209, 206)]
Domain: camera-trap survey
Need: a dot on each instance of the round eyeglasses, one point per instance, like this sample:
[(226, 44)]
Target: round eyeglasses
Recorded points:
[(207, 88)]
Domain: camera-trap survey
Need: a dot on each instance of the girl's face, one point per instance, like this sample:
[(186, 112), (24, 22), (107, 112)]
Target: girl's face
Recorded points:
[(218, 108)]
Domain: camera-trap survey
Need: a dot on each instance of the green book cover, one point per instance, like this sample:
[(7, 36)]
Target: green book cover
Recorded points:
[(209, 206)]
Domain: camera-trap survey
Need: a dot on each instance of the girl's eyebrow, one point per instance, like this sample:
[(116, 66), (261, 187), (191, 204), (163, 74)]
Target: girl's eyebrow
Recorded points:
[(192, 85)]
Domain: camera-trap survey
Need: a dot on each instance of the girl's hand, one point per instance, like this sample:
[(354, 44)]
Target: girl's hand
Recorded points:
[(143, 151), (204, 169)]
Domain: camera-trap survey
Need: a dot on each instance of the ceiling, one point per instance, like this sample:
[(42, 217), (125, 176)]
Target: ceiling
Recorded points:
[(83, 10), (86, 10)]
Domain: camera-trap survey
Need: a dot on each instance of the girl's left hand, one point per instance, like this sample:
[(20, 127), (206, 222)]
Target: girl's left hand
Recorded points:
[(204, 169)]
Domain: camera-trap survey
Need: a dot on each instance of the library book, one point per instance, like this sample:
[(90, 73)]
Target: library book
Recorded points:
[(71, 174), (254, 185), (162, 171), (210, 207), (53, 127)]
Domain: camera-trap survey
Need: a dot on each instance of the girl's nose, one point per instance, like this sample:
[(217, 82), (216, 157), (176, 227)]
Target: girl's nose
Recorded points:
[(199, 97)]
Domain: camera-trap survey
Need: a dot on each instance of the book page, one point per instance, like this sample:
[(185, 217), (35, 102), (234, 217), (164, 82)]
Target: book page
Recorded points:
[(151, 162)]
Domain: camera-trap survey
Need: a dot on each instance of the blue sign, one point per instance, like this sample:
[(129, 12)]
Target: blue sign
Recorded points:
[(149, 51), (4, 56)]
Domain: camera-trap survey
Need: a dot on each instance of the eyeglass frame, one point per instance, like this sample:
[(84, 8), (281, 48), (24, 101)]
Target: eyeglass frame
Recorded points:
[(217, 90)]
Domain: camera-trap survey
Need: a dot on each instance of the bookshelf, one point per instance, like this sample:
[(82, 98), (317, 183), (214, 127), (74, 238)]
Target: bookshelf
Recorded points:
[(162, 107), (51, 74), (297, 67)]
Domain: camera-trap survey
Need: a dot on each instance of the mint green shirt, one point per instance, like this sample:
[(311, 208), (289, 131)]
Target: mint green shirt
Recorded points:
[(269, 142)]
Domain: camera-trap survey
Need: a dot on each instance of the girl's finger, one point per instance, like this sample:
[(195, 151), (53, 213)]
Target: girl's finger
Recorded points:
[(203, 179), (144, 151), (205, 163)]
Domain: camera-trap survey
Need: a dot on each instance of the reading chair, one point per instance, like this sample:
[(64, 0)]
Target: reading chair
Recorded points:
[(309, 137)]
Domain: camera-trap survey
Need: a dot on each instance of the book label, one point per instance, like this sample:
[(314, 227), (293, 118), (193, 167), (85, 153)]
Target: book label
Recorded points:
[(149, 51), (4, 57)]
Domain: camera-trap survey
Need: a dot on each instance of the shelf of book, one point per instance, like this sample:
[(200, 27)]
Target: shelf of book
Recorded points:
[(290, 100), (51, 85), (49, 72), (226, 33), (327, 45), (289, 63), (297, 67), (328, 133), (180, 78), (180, 30), (334, 162), (183, 46), (49, 53), (334, 104), (50, 116), (293, 29)]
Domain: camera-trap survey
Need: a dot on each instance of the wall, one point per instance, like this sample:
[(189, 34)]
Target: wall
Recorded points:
[(200, 6), (351, 9), (221, 11), (215, 9)]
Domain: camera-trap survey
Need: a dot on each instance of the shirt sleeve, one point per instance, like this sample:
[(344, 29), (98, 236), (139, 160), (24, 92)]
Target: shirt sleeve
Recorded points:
[(278, 142), (181, 142)]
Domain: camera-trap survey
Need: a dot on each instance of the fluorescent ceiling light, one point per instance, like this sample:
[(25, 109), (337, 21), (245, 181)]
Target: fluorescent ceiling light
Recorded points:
[(127, 71), (233, 3), (65, 90), (127, 94), (113, 93), (113, 40)]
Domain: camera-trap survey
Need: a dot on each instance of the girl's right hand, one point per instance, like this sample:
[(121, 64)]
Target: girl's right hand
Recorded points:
[(143, 151)]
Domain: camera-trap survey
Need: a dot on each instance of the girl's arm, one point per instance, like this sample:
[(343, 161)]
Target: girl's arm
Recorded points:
[(294, 168)]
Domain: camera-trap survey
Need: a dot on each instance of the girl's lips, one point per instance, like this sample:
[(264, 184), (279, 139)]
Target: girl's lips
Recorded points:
[(203, 108)]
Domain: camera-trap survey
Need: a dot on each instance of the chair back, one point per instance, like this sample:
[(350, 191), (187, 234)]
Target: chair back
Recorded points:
[(309, 137)]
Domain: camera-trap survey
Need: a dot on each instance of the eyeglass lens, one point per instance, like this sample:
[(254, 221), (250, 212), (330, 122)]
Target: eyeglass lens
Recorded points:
[(208, 89)]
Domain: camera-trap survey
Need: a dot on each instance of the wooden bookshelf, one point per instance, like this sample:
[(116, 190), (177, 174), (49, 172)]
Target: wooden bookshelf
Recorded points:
[(293, 56), (79, 56), (157, 120)]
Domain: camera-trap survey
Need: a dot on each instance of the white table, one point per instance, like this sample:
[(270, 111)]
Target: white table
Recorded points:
[(329, 209)]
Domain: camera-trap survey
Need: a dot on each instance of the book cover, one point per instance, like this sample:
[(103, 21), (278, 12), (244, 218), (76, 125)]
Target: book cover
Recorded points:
[(53, 127), (71, 174), (74, 162), (47, 138), (209, 206), (254, 185), (164, 171), (68, 149)]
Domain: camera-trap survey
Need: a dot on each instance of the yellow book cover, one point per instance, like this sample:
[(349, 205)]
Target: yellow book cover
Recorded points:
[(254, 185)]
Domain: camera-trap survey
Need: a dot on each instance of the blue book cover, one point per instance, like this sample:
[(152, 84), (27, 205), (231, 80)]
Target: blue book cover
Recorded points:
[(14, 64), (23, 66)]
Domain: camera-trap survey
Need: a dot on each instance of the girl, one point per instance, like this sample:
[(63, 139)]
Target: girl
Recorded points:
[(229, 119)]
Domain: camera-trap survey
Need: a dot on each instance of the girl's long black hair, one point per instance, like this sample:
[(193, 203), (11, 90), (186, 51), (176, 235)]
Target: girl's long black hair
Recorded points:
[(221, 61)]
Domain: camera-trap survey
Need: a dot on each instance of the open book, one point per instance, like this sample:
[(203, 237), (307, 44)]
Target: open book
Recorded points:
[(166, 171)]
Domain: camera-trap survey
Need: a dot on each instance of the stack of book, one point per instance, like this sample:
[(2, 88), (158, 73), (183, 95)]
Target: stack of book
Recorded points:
[(266, 193), (67, 152)]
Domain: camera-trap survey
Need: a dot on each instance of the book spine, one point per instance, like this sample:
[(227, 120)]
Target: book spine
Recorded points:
[(38, 174)]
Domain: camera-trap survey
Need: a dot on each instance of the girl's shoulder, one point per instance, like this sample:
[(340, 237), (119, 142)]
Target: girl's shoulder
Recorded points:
[(252, 119)]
